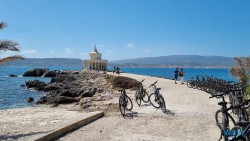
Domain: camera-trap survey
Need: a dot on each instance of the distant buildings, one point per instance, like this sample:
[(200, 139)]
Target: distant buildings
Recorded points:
[(95, 61)]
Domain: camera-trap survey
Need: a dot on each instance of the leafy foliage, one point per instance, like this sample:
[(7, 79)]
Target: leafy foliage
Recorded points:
[(242, 70), (7, 45), (124, 82)]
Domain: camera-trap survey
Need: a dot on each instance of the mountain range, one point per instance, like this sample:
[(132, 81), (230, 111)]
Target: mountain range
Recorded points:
[(172, 60), (46, 62), (179, 60)]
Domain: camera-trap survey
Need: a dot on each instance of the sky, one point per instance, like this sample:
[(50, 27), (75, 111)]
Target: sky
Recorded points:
[(125, 29)]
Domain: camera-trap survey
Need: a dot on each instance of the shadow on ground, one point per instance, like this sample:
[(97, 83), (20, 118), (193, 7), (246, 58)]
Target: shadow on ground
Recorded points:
[(16, 137)]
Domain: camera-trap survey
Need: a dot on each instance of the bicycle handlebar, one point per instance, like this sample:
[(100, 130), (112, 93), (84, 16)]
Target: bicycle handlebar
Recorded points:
[(153, 83), (217, 95), (238, 106)]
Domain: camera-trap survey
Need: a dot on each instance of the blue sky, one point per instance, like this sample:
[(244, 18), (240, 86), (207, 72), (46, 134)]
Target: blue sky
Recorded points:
[(124, 29)]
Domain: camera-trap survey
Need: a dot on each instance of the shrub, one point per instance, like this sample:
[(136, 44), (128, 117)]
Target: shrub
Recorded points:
[(124, 82)]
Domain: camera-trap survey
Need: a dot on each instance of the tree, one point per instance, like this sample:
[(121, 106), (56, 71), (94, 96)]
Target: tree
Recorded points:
[(242, 72), (8, 45)]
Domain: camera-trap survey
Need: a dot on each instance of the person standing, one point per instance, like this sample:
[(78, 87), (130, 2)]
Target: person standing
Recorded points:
[(176, 72), (114, 70), (181, 74)]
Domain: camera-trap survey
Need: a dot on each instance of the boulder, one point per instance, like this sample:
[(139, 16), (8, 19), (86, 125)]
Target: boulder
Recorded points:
[(30, 99), (36, 84), (89, 92), (63, 79), (37, 72), (13, 75), (56, 100), (49, 74), (53, 87)]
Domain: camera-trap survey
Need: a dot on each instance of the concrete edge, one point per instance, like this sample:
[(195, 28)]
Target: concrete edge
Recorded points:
[(70, 127)]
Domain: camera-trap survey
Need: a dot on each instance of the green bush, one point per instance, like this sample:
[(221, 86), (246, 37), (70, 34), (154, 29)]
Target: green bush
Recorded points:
[(124, 82)]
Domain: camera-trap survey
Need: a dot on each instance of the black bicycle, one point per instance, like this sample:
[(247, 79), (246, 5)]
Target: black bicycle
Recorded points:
[(125, 103), (156, 99), (241, 131), (223, 119), (141, 94)]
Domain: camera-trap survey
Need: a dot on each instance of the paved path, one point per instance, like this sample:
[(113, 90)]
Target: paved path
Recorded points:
[(193, 119)]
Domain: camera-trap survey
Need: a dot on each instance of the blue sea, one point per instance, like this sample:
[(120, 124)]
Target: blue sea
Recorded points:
[(12, 95)]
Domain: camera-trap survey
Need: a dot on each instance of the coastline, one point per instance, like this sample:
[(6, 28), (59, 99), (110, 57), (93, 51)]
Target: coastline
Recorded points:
[(193, 119)]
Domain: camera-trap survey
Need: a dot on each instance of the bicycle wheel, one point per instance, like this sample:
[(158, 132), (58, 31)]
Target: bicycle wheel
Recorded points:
[(162, 103), (138, 97), (129, 104), (154, 100), (138, 100), (221, 121), (189, 84), (145, 97), (247, 133), (224, 122), (121, 106), (245, 115)]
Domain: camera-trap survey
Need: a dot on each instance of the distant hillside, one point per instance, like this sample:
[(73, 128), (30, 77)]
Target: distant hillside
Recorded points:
[(47, 62), (165, 61), (178, 60)]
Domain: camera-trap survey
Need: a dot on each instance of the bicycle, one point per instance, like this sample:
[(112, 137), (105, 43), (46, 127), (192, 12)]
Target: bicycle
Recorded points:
[(156, 99), (141, 94), (241, 131), (223, 119), (125, 103)]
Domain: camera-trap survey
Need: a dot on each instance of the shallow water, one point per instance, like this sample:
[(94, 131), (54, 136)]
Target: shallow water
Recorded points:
[(12, 95)]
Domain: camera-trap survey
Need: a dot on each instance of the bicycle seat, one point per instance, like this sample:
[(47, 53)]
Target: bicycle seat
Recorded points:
[(158, 88), (242, 123), (120, 90)]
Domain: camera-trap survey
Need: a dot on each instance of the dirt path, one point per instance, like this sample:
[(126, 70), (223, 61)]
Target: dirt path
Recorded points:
[(193, 119)]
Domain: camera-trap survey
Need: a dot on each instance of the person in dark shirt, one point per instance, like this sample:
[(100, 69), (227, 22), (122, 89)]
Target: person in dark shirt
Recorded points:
[(176, 72)]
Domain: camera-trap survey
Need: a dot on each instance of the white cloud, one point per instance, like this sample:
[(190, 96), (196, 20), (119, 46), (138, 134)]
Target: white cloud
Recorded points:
[(68, 50), (130, 45), (147, 50), (31, 51)]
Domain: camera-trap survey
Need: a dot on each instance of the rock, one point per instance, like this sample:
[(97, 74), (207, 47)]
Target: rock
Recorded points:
[(54, 105), (37, 72), (54, 86), (89, 92), (13, 75), (65, 100), (100, 90), (30, 99), (63, 79), (75, 72), (36, 84), (68, 93), (56, 100), (22, 85), (49, 74)]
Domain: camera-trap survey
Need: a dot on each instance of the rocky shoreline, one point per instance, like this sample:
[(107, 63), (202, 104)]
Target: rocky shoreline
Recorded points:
[(83, 88)]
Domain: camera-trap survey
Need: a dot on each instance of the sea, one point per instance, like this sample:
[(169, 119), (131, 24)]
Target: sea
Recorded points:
[(13, 95)]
